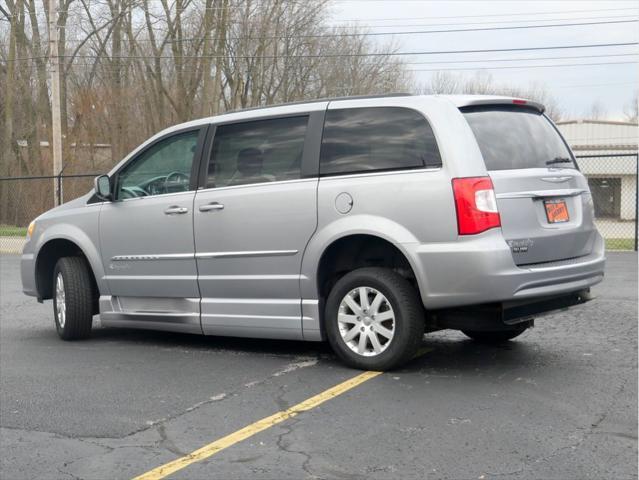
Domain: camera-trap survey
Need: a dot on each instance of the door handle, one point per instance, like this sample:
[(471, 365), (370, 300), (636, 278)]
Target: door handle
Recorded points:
[(176, 210), (211, 206)]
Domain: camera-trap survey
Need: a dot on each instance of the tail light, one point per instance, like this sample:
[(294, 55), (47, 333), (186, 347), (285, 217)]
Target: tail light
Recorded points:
[(476, 205)]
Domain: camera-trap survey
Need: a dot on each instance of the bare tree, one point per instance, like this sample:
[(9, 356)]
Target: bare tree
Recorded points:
[(132, 67), (631, 109), (597, 111)]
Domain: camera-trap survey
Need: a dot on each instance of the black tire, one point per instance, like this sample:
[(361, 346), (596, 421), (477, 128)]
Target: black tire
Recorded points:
[(78, 293), (500, 336), (408, 312)]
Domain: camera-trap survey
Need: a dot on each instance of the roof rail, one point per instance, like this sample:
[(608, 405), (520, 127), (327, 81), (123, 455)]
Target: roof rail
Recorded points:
[(316, 100)]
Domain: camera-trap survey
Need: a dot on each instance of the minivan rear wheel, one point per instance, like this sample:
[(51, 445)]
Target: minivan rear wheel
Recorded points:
[(500, 336), (72, 298), (374, 319)]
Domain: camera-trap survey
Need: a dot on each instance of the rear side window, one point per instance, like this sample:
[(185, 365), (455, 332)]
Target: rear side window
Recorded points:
[(514, 138), (359, 140), (257, 152)]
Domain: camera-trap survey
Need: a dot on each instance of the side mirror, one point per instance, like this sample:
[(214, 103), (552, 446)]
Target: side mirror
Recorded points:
[(102, 186)]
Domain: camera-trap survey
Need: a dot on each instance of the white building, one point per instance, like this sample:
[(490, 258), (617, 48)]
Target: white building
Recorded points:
[(611, 176)]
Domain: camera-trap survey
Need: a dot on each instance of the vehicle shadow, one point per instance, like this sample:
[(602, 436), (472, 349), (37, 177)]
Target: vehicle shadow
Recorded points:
[(449, 351), (452, 352), (162, 339)]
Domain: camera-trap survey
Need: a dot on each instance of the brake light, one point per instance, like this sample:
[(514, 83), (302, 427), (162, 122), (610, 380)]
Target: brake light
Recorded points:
[(519, 102), (476, 205)]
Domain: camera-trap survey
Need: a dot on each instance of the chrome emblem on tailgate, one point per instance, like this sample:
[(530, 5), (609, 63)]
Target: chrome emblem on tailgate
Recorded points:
[(520, 246)]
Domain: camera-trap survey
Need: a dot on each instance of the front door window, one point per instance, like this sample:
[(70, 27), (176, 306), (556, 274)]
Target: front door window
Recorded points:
[(163, 168)]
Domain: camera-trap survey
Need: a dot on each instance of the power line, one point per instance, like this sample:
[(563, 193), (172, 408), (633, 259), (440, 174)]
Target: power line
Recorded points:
[(194, 8), (525, 59), (173, 10), (494, 15), (487, 60), (596, 20), (492, 22), (527, 67), (414, 32), (553, 86), (353, 55), (607, 17), (393, 54)]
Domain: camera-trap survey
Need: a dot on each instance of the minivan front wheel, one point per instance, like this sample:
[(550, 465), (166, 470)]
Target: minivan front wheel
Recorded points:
[(72, 298), (374, 319)]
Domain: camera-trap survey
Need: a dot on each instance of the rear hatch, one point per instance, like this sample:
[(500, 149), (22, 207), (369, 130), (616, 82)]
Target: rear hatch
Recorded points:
[(543, 200)]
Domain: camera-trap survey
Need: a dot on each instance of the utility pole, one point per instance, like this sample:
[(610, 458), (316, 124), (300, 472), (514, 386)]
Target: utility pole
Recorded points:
[(219, 51), (286, 63), (56, 148)]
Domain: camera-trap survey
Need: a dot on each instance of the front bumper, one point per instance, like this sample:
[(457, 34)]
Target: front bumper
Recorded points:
[(481, 270), (28, 271)]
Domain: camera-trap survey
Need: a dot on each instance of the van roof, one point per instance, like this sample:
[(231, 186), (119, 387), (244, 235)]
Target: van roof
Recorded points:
[(459, 101), (326, 99)]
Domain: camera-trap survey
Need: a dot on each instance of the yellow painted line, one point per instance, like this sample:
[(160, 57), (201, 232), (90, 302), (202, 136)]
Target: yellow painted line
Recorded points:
[(225, 442)]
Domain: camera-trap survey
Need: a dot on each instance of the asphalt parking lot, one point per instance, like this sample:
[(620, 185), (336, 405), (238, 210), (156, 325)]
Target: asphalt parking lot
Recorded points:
[(560, 402)]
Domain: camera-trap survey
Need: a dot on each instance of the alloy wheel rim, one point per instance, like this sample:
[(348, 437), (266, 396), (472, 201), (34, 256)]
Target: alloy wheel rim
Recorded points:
[(366, 321), (60, 300)]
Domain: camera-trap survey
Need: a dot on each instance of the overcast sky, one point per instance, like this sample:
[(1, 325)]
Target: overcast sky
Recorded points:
[(575, 87)]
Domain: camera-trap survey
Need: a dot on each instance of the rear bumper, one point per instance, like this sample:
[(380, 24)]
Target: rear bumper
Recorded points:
[(481, 270), (505, 315)]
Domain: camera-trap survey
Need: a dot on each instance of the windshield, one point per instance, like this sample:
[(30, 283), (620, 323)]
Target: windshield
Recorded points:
[(513, 138)]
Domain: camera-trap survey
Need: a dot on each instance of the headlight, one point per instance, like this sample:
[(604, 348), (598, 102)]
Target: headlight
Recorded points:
[(31, 229)]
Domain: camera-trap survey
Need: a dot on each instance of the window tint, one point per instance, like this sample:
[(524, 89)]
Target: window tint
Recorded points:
[(511, 138), (379, 138), (163, 168), (257, 152)]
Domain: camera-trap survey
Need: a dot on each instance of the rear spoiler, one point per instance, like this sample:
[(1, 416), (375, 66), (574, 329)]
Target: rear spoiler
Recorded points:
[(469, 101)]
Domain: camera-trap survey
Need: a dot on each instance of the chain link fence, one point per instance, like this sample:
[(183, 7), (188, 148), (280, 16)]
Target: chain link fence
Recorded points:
[(24, 198), (612, 180)]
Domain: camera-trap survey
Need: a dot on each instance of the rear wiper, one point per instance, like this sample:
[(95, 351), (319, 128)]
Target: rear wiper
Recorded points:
[(558, 160)]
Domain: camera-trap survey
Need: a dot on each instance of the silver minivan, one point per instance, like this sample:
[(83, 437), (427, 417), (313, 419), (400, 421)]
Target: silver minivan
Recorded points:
[(362, 221)]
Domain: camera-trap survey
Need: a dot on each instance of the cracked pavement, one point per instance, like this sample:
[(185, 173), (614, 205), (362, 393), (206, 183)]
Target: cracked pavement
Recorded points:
[(560, 402)]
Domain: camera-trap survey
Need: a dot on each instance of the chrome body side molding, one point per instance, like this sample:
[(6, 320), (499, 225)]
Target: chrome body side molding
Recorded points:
[(182, 256), (258, 253)]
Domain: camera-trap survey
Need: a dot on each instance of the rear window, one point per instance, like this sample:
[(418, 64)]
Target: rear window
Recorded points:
[(514, 138), (359, 140)]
